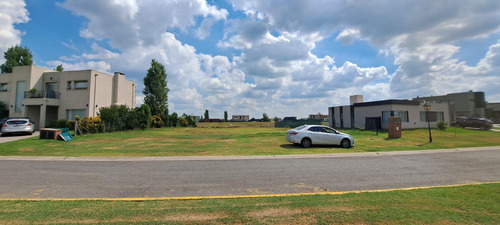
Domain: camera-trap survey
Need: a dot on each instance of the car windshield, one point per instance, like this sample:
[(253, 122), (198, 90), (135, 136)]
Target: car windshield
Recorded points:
[(12, 122)]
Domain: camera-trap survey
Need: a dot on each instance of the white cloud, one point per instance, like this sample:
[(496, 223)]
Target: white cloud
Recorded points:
[(274, 69), (11, 12), (131, 23)]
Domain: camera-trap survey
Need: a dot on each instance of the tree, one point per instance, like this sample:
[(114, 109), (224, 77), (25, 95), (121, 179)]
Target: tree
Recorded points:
[(173, 119), (16, 56), (59, 68), (206, 115), (265, 118), (155, 90), (225, 116), (276, 119)]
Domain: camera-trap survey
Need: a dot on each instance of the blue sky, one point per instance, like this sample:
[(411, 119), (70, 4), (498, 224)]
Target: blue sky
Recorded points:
[(283, 58)]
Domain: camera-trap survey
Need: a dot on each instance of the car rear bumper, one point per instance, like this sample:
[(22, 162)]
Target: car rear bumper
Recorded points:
[(17, 130)]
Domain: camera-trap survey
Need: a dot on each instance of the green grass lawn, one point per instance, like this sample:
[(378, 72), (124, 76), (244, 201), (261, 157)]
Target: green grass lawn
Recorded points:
[(471, 204), (236, 141)]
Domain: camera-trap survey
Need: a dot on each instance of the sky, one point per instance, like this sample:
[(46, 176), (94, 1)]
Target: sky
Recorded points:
[(280, 57)]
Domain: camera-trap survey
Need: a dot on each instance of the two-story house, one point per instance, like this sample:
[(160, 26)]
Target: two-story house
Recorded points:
[(45, 95)]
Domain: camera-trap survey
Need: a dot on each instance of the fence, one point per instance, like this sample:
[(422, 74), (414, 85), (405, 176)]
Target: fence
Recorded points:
[(296, 123)]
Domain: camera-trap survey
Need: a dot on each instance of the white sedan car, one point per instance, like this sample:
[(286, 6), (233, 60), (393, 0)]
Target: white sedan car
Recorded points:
[(308, 135)]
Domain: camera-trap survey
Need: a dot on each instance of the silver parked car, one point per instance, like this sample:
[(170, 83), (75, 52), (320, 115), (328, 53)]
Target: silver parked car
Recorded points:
[(18, 125), (308, 135)]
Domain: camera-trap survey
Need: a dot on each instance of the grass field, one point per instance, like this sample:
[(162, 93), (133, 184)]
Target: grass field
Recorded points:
[(471, 204), (236, 141)]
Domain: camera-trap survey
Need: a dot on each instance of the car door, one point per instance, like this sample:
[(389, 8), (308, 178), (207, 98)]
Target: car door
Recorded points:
[(316, 135), (331, 136)]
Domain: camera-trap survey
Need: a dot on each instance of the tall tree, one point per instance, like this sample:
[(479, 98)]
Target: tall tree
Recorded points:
[(225, 116), (265, 118), (206, 115), (155, 90), (16, 56), (60, 68)]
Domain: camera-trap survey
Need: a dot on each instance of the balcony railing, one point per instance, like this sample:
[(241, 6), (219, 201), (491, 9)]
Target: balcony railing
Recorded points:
[(41, 94)]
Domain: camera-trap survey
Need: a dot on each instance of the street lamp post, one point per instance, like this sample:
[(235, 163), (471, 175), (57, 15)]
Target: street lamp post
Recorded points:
[(427, 107)]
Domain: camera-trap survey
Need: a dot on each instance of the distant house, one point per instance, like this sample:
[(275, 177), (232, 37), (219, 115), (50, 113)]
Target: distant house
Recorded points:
[(318, 116), (45, 95), (240, 118), (463, 104), (493, 112), (376, 114)]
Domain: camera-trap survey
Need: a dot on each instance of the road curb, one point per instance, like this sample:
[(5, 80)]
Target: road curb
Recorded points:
[(243, 196), (208, 158)]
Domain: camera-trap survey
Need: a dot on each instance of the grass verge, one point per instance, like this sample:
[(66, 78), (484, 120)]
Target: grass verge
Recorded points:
[(469, 204), (237, 142)]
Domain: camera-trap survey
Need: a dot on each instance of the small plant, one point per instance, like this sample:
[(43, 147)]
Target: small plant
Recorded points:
[(442, 125)]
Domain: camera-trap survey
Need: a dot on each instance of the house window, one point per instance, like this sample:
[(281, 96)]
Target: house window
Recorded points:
[(3, 87), (433, 116), (69, 85), (73, 113), (385, 116), (81, 84), (402, 114)]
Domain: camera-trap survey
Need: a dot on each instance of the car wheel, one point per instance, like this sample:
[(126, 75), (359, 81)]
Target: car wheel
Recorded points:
[(345, 143), (306, 143)]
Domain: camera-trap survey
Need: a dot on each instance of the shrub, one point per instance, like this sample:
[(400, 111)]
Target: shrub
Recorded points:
[(114, 117), (191, 121), (141, 117), (157, 122), (442, 125), (60, 124), (90, 124), (182, 122)]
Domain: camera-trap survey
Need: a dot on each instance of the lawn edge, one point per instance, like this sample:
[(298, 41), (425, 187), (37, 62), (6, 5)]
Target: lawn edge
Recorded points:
[(243, 196), (247, 157)]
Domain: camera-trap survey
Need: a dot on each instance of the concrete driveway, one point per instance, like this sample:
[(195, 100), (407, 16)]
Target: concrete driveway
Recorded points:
[(17, 137)]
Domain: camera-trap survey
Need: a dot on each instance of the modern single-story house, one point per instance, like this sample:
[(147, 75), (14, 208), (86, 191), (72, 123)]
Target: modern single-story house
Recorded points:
[(462, 104), (45, 95), (373, 114)]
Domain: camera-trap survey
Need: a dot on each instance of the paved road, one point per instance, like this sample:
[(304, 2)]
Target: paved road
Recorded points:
[(154, 177)]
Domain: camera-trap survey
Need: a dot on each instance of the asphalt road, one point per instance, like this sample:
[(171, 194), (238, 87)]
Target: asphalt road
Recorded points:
[(167, 177)]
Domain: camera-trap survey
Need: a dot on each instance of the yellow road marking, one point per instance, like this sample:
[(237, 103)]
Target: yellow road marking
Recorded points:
[(242, 196)]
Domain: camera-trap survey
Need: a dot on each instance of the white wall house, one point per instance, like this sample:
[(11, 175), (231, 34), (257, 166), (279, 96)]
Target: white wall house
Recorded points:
[(45, 95), (377, 113)]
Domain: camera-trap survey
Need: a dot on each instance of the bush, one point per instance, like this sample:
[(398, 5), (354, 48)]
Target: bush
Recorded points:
[(90, 124), (182, 122), (61, 124), (442, 125), (115, 117), (140, 117), (157, 122), (191, 121)]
